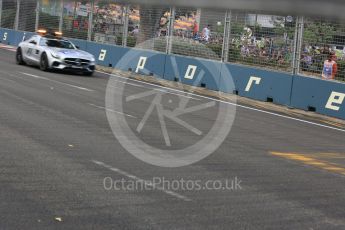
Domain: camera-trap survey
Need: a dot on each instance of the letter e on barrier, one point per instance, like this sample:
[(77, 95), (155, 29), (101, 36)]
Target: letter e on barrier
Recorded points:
[(190, 72), (335, 98), (141, 64), (252, 79), (102, 55)]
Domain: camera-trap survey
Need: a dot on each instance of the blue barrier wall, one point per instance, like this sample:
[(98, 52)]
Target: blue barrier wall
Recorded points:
[(82, 44), (193, 71), (326, 97), (257, 84), (141, 61), (7, 36)]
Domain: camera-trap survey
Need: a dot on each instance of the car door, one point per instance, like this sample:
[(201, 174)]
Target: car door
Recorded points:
[(30, 50), (36, 51)]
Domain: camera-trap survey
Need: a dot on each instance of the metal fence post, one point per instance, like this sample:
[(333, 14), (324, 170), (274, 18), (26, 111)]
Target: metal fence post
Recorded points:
[(90, 25), (170, 30), (16, 21), (37, 14), (0, 11), (296, 60), (125, 25), (61, 15), (226, 38)]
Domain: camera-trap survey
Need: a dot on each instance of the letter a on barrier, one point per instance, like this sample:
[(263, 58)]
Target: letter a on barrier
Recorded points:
[(190, 72), (335, 98), (102, 55), (252, 79), (141, 64)]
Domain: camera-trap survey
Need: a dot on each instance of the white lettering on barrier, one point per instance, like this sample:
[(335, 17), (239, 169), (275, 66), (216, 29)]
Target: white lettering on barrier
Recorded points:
[(5, 36), (141, 64), (190, 72), (252, 79), (102, 55), (335, 98)]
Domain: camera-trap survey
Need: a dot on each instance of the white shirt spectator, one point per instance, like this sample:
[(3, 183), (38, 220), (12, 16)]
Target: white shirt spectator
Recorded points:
[(206, 33)]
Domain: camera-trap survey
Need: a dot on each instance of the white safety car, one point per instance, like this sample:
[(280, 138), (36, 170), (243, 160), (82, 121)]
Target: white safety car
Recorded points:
[(52, 51)]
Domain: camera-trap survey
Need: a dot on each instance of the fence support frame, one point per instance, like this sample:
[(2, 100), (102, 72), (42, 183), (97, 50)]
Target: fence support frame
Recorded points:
[(37, 14), (125, 25), (61, 15), (226, 37), (298, 40), (90, 25), (170, 31), (16, 21), (0, 12)]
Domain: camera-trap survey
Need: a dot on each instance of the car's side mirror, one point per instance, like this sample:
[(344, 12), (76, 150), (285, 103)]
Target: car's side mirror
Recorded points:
[(77, 47), (33, 42)]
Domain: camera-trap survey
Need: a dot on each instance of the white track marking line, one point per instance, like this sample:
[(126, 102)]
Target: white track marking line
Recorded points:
[(160, 90), (59, 82), (146, 182), (110, 110), (230, 103)]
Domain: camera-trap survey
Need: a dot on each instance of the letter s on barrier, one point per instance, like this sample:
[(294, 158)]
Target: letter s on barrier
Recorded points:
[(5, 36), (336, 98), (190, 72), (252, 79), (102, 55)]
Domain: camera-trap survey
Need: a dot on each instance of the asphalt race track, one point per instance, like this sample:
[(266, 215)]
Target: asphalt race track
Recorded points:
[(57, 149)]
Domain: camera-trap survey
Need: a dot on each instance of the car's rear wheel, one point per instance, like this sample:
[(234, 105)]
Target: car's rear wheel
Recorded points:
[(19, 57), (44, 65)]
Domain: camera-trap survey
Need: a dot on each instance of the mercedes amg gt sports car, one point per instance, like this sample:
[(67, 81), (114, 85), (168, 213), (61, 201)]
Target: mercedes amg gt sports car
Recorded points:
[(51, 52)]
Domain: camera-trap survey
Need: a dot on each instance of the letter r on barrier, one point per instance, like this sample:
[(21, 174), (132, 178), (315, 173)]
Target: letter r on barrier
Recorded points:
[(335, 98), (252, 79), (190, 72), (141, 64)]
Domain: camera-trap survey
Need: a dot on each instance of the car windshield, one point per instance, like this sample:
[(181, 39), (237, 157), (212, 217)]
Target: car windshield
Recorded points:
[(64, 44)]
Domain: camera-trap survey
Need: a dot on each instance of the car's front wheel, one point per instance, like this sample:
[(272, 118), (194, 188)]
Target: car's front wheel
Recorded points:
[(88, 74), (44, 64), (19, 57)]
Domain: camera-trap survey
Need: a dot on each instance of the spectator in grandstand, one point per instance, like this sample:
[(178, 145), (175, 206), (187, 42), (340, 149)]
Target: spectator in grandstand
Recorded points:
[(206, 33), (195, 29), (135, 32), (330, 67), (306, 61)]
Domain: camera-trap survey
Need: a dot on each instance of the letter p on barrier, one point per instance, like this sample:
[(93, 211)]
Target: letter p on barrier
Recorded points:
[(141, 64), (335, 98)]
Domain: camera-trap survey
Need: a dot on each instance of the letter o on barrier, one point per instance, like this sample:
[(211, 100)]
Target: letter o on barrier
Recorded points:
[(335, 98), (190, 72)]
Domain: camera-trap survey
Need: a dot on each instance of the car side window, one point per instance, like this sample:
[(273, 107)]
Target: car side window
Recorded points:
[(43, 42), (33, 40)]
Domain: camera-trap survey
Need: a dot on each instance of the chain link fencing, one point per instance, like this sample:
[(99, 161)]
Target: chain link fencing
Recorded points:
[(261, 39)]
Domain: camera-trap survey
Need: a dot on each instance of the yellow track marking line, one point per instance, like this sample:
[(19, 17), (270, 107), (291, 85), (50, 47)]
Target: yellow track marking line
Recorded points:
[(308, 160)]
